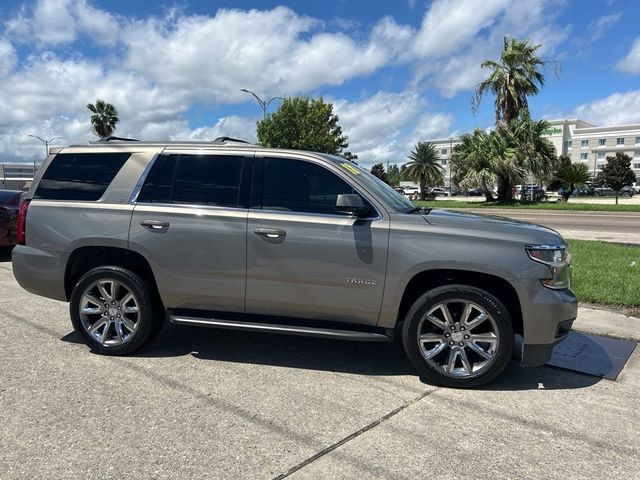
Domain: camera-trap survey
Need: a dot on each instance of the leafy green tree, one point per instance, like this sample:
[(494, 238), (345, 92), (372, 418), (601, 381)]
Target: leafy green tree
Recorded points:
[(556, 182), (394, 175), (617, 173), (103, 119), (301, 123), (503, 157), (572, 176), (424, 167), (471, 165), (352, 157), (512, 78), (378, 171)]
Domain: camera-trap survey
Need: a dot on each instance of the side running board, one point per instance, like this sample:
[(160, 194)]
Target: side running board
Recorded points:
[(277, 328)]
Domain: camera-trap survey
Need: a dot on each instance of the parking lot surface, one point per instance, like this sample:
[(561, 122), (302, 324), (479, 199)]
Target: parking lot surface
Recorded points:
[(204, 403)]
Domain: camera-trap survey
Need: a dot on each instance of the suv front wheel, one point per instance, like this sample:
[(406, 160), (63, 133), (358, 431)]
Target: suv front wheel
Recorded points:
[(112, 308), (458, 336)]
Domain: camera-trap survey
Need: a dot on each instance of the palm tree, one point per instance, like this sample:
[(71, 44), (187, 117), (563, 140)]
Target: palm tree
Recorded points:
[(423, 167), (572, 176), (514, 77), (104, 118), (470, 160)]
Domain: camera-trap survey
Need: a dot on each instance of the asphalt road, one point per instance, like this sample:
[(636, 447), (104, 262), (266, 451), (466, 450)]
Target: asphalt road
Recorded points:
[(614, 226), (200, 403)]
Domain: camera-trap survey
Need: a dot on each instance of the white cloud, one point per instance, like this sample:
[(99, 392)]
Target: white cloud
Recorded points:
[(386, 125), (59, 22), (7, 57), (601, 25), (631, 63), (617, 109)]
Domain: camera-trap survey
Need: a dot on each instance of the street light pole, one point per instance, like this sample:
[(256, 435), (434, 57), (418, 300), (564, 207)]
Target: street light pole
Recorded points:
[(264, 104), (46, 148), (449, 164)]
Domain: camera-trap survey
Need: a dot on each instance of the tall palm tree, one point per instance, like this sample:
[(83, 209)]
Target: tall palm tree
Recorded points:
[(572, 176), (424, 167), (512, 79), (104, 118)]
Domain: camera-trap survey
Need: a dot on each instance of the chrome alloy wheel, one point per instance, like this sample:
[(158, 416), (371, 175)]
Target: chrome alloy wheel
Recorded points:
[(109, 312), (458, 338)]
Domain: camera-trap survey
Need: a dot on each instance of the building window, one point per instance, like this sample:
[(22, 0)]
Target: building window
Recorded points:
[(637, 140), (636, 166), (443, 162), (601, 142), (620, 141), (600, 155), (444, 151), (584, 156), (568, 144), (584, 143), (636, 153)]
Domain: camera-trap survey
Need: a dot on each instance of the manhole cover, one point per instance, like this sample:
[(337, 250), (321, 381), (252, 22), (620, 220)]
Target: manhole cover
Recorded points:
[(592, 354)]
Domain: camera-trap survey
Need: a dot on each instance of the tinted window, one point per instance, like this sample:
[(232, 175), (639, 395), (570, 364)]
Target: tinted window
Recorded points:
[(9, 197), (157, 186), (208, 180), (82, 176), (298, 186)]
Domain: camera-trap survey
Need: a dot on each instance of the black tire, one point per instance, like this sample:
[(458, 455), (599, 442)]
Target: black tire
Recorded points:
[(596, 194), (456, 297), (147, 324), (626, 194)]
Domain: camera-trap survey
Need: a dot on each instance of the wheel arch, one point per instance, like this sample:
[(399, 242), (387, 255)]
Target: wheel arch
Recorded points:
[(429, 279), (83, 259)]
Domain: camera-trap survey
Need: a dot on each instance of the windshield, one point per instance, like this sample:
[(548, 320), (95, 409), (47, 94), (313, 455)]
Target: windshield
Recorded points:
[(395, 200)]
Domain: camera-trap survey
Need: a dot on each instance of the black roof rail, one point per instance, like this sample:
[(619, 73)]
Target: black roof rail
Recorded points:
[(228, 139), (111, 138)]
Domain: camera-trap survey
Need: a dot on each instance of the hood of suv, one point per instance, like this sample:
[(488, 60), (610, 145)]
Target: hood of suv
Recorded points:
[(489, 226)]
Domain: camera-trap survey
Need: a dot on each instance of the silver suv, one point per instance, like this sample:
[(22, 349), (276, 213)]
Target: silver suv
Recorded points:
[(231, 235)]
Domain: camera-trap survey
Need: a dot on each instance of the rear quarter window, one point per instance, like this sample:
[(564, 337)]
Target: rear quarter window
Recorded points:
[(79, 176)]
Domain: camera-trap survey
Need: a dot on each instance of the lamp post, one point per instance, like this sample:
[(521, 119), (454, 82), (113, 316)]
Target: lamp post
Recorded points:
[(264, 104), (46, 147), (449, 164)]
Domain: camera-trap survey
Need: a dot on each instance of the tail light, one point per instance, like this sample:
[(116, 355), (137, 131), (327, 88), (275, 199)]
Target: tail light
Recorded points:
[(22, 221)]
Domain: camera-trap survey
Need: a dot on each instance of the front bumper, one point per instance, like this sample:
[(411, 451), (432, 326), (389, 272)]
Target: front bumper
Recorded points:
[(547, 317)]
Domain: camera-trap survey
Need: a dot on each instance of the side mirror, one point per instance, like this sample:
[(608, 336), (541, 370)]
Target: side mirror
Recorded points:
[(352, 204)]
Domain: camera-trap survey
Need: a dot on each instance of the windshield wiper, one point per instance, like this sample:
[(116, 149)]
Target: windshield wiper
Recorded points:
[(422, 210)]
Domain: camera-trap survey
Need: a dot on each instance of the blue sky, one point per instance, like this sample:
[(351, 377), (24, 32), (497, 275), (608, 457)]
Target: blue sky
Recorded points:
[(397, 72)]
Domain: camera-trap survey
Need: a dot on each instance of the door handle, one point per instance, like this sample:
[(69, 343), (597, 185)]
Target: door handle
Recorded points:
[(155, 224), (270, 232)]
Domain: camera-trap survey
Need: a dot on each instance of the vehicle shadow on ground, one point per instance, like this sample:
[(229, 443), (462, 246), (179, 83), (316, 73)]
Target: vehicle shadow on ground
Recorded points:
[(361, 358)]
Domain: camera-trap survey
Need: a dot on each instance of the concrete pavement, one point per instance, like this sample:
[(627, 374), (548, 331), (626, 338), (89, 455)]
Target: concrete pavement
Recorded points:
[(201, 403)]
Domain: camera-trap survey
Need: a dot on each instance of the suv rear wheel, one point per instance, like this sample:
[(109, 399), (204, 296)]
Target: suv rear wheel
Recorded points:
[(458, 336), (112, 308)]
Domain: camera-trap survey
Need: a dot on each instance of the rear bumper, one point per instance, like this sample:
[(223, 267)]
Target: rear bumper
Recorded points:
[(39, 272)]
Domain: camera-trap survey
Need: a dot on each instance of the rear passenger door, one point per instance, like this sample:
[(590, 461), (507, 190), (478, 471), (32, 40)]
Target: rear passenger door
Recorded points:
[(190, 223)]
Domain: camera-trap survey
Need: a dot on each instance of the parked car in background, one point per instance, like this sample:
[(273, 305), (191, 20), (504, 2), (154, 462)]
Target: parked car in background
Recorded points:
[(400, 190), (440, 192), (627, 191), (9, 206), (475, 192), (532, 193), (579, 192), (636, 187)]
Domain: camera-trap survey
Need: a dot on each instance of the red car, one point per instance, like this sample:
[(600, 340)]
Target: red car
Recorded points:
[(9, 206)]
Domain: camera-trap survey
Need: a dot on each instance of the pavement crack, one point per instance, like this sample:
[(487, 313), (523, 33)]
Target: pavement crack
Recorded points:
[(352, 436)]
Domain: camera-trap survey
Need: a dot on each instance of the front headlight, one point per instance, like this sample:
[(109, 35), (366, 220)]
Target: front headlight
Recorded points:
[(558, 259)]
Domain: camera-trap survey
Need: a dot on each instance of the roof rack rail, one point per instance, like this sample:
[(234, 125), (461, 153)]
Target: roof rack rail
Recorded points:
[(111, 138), (228, 139)]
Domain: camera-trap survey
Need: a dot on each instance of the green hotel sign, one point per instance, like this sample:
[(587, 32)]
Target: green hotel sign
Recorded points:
[(552, 131)]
